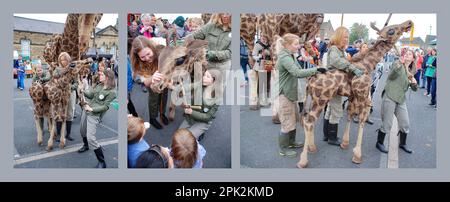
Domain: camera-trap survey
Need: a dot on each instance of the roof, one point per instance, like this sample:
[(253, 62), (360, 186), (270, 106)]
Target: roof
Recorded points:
[(39, 26), (327, 25), (430, 38), (100, 32), (416, 40)]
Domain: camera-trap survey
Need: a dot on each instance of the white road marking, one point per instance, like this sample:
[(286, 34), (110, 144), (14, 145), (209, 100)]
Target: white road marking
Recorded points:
[(21, 99), (393, 145), (66, 150)]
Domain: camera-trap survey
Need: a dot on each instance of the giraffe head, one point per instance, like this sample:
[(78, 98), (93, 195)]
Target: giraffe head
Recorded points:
[(86, 25), (392, 33), (185, 58)]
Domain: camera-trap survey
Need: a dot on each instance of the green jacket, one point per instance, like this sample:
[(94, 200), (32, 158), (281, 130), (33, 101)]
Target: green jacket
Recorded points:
[(397, 83), (289, 70), (336, 60), (74, 85), (205, 114), (219, 42), (43, 79), (99, 99)]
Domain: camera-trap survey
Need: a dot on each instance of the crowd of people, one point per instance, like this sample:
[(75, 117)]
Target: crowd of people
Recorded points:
[(147, 37)]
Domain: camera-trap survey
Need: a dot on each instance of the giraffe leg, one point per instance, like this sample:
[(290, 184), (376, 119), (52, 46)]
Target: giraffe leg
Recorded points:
[(39, 129), (309, 122), (52, 135), (303, 163), (62, 139), (346, 136), (357, 153)]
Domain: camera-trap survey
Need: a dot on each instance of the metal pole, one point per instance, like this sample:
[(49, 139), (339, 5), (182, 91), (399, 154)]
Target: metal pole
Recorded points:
[(342, 19)]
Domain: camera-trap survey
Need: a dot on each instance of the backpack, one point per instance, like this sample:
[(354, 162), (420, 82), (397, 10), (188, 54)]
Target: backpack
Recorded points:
[(152, 158)]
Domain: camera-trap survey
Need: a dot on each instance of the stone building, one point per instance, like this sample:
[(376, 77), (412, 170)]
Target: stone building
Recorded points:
[(31, 36)]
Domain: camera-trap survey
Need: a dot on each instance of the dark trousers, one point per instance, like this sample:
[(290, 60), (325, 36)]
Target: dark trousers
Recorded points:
[(157, 103), (417, 75), (244, 64), (433, 91), (130, 106), (429, 84)]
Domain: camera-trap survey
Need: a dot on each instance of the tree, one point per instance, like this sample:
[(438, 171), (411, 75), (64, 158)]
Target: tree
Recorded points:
[(358, 31)]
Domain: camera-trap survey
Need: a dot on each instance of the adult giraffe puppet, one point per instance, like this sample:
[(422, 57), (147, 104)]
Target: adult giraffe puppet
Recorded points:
[(74, 40)]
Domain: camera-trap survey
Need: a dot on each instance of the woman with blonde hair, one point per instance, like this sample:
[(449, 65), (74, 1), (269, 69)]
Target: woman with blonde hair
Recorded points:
[(337, 59), (289, 70), (144, 59)]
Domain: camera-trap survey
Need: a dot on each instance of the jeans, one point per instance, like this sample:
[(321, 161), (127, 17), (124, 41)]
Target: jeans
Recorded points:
[(433, 91), (244, 64), (20, 81)]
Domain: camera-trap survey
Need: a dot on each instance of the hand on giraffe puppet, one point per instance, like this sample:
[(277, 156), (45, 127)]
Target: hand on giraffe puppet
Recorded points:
[(322, 70), (88, 108), (188, 110), (356, 71)]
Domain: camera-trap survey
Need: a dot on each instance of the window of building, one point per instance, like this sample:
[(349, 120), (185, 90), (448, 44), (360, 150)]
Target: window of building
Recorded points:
[(26, 49)]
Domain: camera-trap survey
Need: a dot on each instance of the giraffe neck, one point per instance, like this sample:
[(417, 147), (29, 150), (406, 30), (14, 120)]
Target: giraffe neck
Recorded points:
[(70, 34), (375, 54)]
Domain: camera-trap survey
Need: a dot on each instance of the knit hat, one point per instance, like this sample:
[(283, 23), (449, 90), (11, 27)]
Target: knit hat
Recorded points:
[(179, 21)]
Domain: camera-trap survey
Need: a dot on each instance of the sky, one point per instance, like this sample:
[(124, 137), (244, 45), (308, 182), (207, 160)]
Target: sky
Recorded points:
[(107, 19), (422, 22)]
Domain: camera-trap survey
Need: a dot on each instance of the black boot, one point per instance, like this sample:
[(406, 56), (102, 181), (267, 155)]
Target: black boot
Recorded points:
[(58, 130), (403, 142), (85, 146), (164, 119), (380, 140), (68, 129), (101, 159), (326, 123), (155, 123), (292, 142), (300, 107), (332, 135)]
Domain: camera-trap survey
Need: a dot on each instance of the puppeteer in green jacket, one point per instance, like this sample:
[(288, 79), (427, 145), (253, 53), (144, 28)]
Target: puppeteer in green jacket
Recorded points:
[(397, 83), (289, 71), (43, 78), (219, 42), (99, 99)]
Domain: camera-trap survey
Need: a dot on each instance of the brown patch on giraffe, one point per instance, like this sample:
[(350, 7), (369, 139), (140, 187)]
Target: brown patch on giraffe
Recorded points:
[(317, 93), (322, 102), (310, 119)]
